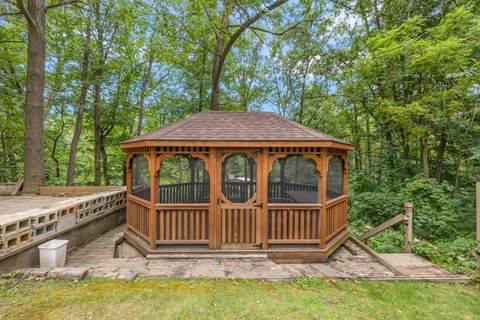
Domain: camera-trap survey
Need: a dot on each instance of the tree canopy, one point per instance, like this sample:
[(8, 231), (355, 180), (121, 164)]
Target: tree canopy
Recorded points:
[(399, 79)]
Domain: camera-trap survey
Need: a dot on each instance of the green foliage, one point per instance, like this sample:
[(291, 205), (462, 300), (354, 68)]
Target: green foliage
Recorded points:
[(443, 223), (456, 256), (388, 241), (435, 213)]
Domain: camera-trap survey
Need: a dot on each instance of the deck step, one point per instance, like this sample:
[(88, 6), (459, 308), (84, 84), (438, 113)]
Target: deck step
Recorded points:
[(209, 255)]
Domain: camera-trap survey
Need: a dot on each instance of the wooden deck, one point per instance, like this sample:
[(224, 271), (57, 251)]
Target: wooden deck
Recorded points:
[(13, 204)]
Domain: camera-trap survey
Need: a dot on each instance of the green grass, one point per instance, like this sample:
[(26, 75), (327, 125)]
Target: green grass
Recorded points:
[(169, 298)]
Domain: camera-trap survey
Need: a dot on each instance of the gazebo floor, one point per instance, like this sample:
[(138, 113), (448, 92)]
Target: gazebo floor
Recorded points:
[(285, 254)]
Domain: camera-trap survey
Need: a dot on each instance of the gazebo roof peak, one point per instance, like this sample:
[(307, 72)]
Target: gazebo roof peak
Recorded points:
[(236, 126)]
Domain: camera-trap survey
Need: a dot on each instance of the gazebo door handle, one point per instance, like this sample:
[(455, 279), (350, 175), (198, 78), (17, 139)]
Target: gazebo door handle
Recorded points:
[(259, 205)]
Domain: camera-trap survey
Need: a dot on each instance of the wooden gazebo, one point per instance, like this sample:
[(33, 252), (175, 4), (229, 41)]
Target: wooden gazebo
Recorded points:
[(237, 182)]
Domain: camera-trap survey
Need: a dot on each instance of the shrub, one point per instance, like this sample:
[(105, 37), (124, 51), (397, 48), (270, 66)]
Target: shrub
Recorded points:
[(434, 210), (456, 256)]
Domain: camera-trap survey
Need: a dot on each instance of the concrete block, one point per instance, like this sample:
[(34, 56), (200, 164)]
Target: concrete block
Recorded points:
[(66, 222), (15, 241), (44, 231), (84, 215), (42, 217), (14, 224)]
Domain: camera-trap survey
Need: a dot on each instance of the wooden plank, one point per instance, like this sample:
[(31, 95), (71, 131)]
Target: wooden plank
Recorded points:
[(161, 232), (242, 230), (309, 230), (374, 255), (77, 190), (197, 223), (248, 226), (273, 230), (184, 242), (18, 186), (191, 223), (168, 213), (387, 224)]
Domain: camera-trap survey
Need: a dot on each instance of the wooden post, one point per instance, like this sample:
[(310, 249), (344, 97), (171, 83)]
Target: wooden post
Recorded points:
[(262, 193), (323, 197), (409, 228), (212, 212), (478, 227), (152, 228)]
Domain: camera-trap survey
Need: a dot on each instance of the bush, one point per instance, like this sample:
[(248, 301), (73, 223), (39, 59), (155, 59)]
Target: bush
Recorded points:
[(434, 209), (456, 256), (388, 241)]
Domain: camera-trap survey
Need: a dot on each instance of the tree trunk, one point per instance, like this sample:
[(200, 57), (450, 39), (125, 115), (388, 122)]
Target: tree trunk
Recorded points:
[(442, 146), (200, 89), (406, 150), (55, 142), (97, 100), (424, 154), (97, 130), (34, 166), (222, 49), (104, 162), (217, 62), (146, 79), (81, 107)]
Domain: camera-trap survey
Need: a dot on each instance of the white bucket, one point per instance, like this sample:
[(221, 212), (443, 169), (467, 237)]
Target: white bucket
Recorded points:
[(53, 253)]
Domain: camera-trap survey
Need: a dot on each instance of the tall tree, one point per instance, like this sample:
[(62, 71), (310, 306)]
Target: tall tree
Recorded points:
[(85, 83), (34, 165), (224, 45)]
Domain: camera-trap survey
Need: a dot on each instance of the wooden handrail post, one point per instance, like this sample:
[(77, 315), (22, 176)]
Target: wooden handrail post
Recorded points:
[(409, 229), (478, 227)]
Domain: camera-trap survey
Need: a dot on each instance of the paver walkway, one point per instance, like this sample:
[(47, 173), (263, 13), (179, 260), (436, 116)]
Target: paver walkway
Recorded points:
[(97, 257)]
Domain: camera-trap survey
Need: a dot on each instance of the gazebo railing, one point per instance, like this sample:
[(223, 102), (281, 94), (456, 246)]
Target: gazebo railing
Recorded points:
[(293, 223), (336, 216), (138, 216), (188, 223), (182, 223), (198, 192)]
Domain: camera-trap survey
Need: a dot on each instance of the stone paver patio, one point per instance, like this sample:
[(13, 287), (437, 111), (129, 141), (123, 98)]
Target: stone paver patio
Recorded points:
[(96, 259)]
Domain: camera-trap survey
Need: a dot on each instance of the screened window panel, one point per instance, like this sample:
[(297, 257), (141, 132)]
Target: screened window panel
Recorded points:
[(140, 174), (335, 178), (183, 179), (239, 174), (293, 179)]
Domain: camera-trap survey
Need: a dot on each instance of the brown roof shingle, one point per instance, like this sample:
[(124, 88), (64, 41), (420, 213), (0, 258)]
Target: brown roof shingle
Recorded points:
[(236, 126)]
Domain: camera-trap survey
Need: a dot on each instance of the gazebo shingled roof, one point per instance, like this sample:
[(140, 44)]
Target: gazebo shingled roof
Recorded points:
[(236, 126)]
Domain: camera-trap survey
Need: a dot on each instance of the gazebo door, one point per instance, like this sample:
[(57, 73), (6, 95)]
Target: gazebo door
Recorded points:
[(239, 209)]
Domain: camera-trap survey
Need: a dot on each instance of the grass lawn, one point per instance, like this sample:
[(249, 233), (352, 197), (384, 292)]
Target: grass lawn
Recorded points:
[(169, 298)]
